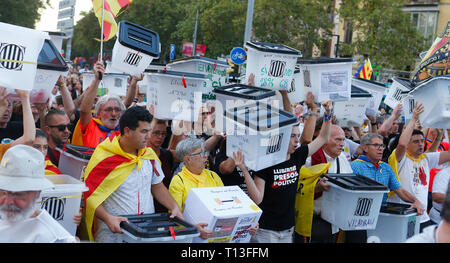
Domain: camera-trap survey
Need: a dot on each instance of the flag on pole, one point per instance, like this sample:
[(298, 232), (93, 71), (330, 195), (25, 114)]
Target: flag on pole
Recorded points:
[(111, 11), (365, 71)]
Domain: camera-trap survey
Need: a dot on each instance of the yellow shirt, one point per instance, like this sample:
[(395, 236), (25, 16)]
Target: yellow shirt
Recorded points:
[(182, 183)]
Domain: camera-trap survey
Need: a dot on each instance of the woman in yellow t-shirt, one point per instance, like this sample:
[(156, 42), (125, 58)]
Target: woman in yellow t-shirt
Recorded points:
[(193, 175)]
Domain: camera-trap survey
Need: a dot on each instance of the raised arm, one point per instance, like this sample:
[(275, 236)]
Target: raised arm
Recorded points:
[(387, 124), (29, 128), (310, 120), (325, 130), (131, 91), (255, 187), (406, 134), (69, 106), (90, 94)]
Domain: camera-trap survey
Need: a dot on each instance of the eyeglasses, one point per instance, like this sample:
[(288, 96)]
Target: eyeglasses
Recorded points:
[(202, 154), (158, 133), (16, 195), (61, 127), (378, 146), (110, 109)]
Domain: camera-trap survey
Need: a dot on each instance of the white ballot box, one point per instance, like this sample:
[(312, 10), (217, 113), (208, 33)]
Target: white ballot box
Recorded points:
[(227, 210)]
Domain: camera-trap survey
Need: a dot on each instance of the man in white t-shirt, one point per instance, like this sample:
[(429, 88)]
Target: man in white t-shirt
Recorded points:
[(436, 233), (140, 176), (413, 166), (440, 185), (21, 182)]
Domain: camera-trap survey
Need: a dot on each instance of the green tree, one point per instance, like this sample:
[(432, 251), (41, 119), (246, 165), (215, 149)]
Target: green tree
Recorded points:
[(23, 12), (383, 32), (299, 24)]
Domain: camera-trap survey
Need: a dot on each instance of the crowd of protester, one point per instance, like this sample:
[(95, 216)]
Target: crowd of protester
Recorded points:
[(140, 165)]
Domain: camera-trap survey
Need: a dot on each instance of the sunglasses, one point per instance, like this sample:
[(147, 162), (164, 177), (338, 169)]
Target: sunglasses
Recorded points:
[(61, 127)]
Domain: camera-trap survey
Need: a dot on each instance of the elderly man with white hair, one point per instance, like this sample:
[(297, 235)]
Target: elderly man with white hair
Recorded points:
[(21, 182), (92, 130)]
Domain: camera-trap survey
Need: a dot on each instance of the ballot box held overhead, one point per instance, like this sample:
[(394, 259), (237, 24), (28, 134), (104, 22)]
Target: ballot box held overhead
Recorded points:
[(134, 49), (272, 64)]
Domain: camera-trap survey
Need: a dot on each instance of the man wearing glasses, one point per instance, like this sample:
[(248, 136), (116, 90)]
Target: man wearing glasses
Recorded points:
[(370, 165), (92, 130), (57, 126)]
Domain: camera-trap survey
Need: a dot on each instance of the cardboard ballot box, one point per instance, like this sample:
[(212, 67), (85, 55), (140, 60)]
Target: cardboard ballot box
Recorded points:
[(227, 210)]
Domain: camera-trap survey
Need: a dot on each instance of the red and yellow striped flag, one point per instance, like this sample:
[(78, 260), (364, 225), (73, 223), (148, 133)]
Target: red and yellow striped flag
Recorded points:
[(112, 8), (107, 169), (366, 71), (50, 168)]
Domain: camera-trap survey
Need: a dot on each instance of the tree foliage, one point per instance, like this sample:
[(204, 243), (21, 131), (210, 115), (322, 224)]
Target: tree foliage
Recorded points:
[(22, 12), (386, 33), (383, 32)]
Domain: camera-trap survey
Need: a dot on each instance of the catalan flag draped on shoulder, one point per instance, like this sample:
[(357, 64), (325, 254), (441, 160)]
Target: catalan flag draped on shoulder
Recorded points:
[(365, 71), (107, 169), (50, 168), (112, 9)]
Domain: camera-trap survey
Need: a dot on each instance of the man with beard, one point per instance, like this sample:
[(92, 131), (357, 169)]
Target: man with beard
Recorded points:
[(413, 166), (21, 182), (92, 130), (57, 127)]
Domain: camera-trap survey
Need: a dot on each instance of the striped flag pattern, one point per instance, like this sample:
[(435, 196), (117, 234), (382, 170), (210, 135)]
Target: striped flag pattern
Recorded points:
[(366, 70), (112, 8)]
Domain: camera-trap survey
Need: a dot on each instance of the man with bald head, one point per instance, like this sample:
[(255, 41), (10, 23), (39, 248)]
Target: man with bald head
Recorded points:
[(331, 152)]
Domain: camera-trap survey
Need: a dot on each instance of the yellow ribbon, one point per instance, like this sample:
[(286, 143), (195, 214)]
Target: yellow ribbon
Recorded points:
[(18, 61)]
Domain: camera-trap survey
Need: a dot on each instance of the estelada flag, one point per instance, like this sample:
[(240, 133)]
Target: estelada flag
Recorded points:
[(107, 169), (304, 199), (365, 72), (112, 9)]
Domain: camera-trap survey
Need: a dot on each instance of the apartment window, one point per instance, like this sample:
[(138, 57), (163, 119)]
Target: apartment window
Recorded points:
[(425, 22)]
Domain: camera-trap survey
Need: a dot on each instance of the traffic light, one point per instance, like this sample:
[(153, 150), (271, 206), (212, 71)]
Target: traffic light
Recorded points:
[(233, 72)]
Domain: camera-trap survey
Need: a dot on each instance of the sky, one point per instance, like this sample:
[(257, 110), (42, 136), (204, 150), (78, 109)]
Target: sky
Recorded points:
[(49, 16)]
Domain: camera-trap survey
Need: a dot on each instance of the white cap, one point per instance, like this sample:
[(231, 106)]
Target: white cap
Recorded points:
[(22, 168)]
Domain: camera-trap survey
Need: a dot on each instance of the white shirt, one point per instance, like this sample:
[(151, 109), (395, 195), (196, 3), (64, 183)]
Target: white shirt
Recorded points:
[(440, 185), (40, 229), (415, 177), (350, 148), (344, 167), (427, 236), (133, 196)]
